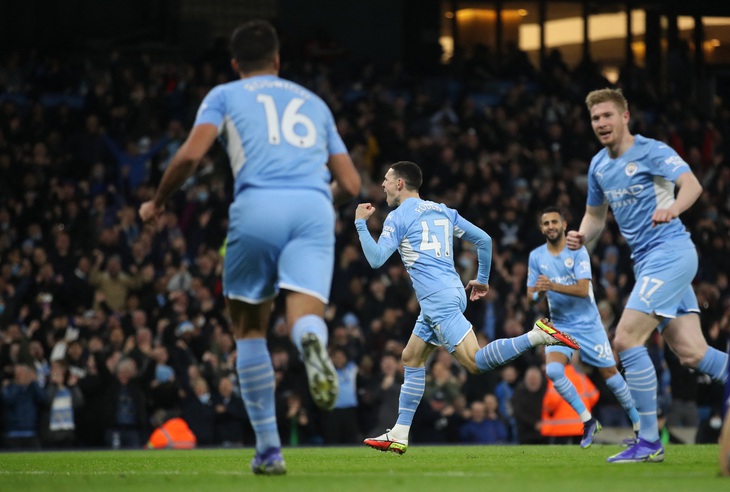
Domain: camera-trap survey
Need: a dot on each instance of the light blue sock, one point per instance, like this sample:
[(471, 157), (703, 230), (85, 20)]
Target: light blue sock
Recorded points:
[(641, 379), (500, 352), (410, 394), (256, 378), (563, 385), (310, 323), (714, 364), (623, 395)]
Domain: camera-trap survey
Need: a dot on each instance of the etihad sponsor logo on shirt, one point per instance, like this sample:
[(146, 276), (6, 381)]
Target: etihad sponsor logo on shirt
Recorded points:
[(624, 196), (564, 280), (631, 168)]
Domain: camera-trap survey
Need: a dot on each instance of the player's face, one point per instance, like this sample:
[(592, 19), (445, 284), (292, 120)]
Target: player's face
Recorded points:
[(390, 187), (552, 226), (609, 123)]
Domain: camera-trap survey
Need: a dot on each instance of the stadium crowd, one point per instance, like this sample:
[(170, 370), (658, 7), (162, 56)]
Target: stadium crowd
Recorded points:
[(110, 327)]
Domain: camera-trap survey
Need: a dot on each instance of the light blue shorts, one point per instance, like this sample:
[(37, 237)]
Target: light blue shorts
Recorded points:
[(442, 320), (664, 281), (279, 239), (595, 349)]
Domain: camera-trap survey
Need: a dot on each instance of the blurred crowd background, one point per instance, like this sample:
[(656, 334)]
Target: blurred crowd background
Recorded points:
[(108, 327)]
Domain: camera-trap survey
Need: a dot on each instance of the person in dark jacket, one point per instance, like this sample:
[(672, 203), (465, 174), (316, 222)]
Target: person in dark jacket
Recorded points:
[(527, 406), (23, 400), (125, 406), (231, 420)]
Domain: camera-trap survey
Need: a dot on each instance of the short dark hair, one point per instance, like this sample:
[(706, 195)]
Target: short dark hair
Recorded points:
[(254, 44), (549, 210), (410, 173)]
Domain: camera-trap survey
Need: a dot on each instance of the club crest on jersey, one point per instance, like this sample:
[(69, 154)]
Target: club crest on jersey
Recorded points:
[(631, 168), (569, 263)]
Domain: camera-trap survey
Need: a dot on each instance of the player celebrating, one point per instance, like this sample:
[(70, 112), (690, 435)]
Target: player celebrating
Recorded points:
[(282, 144), (636, 177), (423, 232), (565, 277)]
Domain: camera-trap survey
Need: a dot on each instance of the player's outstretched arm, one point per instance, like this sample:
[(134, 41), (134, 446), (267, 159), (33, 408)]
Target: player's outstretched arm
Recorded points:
[(181, 167), (590, 227)]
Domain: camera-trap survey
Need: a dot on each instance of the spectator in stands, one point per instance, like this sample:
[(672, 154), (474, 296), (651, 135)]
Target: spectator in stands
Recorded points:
[(64, 397), (23, 400)]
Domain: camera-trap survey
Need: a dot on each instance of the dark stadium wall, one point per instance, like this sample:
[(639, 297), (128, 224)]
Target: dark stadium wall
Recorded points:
[(383, 30)]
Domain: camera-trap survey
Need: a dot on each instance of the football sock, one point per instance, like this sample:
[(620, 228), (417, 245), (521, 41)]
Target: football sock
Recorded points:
[(714, 364), (499, 352), (310, 323), (411, 393), (642, 382), (623, 395), (556, 372), (256, 378)]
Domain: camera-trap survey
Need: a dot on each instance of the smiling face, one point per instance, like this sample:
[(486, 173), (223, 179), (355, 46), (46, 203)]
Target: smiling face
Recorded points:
[(609, 123), (552, 227)]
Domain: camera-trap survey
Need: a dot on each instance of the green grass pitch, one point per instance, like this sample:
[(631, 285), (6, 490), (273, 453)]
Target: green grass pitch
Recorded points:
[(422, 468)]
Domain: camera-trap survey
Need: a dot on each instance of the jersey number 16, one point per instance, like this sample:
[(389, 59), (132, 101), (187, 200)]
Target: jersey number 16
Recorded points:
[(289, 120)]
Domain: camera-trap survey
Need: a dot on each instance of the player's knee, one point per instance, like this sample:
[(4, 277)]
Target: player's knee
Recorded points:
[(555, 371), (621, 343), (690, 360), (409, 358), (471, 367)]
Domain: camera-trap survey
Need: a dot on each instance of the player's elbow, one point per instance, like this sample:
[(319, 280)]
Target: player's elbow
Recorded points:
[(350, 186), (375, 263), (484, 241)]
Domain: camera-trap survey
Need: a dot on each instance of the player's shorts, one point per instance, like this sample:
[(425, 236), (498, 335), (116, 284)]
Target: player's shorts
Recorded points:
[(442, 320), (279, 239), (664, 281), (595, 349)]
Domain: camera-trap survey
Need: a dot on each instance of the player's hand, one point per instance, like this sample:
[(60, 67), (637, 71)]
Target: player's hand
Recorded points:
[(575, 240), (149, 212), (662, 216), (364, 211), (543, 284), (477, 290)]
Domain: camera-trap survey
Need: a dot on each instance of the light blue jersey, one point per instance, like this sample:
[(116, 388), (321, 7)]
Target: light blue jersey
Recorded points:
[(665, 260), (634, 185), (277, 133), (279, 137), (577, 316), (423, 232)]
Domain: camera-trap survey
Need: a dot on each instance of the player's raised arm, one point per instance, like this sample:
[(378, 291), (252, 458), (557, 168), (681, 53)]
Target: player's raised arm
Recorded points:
[(375, 253)]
